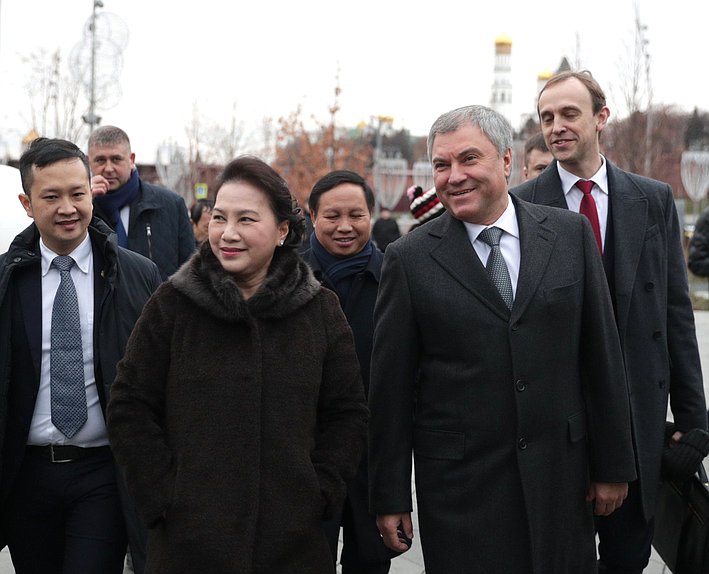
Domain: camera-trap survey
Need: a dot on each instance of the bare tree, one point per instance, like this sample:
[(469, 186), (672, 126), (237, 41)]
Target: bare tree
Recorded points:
[(53, 98)]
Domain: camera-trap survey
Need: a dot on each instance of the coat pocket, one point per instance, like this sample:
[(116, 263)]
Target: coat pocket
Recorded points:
[(577, 426), (439, 444)]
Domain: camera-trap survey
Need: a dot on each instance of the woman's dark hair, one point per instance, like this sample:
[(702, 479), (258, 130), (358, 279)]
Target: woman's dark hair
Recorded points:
[(335, 178), (199, 207), (259, 174)]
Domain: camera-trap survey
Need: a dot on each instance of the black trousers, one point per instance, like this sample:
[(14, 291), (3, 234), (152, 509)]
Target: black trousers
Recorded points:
[(363, 551), (66, 518), (625, 537)]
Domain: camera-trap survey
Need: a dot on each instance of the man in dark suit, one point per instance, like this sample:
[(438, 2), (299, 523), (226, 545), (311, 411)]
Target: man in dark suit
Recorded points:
[(68, 300), (638, 232), (147, 219), (496, 361), (344, 259)]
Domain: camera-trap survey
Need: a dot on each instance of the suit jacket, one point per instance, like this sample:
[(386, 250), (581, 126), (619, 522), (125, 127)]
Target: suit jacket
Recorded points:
[(508, 414), (654, 313), (123, 282)]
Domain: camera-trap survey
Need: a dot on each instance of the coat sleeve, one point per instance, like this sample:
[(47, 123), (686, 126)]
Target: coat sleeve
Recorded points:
[(394, 367), (698, 256), (135, 412), (185, 235), (342, 410), (611, 456), (687, 399)]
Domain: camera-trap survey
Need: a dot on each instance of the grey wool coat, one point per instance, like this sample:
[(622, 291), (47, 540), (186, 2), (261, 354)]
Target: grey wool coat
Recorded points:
[(508, 414), (238, 422)]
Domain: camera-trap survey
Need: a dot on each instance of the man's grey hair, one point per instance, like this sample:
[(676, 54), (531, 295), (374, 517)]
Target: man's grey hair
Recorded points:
[(108, 135), (491, 123)]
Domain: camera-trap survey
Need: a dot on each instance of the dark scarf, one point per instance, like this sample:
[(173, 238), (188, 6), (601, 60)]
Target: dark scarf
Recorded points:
[(113, 201), (340, 271)]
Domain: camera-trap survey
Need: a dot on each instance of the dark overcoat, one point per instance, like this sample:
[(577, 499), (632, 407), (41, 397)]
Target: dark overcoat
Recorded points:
[(159, 227), (238, 422), (653, 311), (508, 414)]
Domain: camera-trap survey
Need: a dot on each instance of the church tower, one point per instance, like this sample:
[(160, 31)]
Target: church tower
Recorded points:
[(501, 97)]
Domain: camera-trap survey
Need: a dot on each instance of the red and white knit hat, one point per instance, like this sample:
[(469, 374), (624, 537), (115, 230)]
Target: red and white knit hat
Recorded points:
[(424, 205)]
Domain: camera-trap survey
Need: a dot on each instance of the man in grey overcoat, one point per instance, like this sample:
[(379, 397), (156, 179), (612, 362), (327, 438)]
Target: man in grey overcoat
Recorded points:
[(497, 363)]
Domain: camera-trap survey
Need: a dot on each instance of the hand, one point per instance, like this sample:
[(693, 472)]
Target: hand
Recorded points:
[(388, 524), (608, 496), (99, 185)]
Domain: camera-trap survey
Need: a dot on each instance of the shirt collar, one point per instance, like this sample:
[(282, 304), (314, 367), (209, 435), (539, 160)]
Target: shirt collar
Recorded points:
[(507, 222), (600, 178), (81, 255)]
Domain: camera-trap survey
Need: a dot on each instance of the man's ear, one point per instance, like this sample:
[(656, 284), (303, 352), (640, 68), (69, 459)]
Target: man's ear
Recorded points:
[(26, 204)]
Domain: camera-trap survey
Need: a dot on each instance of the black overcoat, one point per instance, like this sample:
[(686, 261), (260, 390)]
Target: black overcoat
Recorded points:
[(653, 311), (508, 414)]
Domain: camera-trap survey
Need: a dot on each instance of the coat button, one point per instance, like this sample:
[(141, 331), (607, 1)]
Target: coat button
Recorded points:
[(657, 335), (520, 385), (515, 326), (522, 444), (661, 383), (17, 259), (649, 286)]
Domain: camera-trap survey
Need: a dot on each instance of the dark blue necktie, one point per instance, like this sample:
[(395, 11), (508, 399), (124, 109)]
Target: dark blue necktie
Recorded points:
[(66, 367), (496, 266)]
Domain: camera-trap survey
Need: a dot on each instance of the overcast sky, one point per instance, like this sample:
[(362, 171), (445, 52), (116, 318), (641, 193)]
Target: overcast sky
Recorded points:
[(412, 61)]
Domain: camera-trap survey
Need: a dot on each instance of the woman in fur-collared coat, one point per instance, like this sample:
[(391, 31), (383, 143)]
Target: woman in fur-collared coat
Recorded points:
[(238, 411)]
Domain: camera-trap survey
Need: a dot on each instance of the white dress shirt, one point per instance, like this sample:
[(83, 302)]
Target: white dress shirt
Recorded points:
[(599, 193), (42, 431), (509, 241)]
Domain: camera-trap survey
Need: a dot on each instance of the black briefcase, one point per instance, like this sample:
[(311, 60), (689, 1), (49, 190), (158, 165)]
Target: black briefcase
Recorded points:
[(682, 524)]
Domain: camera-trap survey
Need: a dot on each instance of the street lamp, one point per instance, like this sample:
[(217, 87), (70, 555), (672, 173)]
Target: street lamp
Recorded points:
[(90, 117)]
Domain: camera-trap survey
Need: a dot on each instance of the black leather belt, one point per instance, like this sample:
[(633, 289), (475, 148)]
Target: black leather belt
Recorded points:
[(65, 453)]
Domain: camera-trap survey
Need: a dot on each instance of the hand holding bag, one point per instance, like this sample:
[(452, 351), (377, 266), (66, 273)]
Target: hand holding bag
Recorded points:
[(682, 523)]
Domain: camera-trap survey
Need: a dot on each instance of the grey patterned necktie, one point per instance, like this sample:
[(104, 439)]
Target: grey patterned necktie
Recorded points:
[(496, 266), (66, 362)]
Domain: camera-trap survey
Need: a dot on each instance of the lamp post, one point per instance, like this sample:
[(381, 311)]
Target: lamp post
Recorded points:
[(90, 117)]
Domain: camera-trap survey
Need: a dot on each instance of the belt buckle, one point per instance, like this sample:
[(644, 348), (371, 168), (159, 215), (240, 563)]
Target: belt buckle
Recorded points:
[(57, 460)]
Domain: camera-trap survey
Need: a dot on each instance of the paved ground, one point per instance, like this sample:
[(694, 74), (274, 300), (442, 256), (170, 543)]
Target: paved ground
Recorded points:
[(412, 561)]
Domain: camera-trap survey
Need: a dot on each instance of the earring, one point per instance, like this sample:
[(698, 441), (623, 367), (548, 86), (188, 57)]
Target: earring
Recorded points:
[(281, 242)]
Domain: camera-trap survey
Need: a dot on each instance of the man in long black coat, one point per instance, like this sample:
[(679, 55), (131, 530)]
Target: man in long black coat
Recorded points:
[(517, 415)]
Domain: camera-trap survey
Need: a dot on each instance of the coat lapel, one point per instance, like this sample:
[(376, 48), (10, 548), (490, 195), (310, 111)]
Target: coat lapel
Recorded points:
[(629, 216), (456, 256), (536, 244), (547, 189)]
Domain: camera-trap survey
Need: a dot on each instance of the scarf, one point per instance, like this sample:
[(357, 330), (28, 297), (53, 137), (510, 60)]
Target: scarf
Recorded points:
[(339, 271), (113, 201)]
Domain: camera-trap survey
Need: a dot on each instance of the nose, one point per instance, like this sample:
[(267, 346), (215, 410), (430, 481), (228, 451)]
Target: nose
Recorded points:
[(66, 206), (344, 224), (558, 125), (231, 232), (457, 173)]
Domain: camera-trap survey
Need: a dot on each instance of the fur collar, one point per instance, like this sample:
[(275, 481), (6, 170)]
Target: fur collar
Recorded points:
[(289, 285)]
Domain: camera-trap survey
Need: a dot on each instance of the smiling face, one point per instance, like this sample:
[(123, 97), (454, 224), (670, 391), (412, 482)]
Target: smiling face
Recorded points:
[(342, 221), (115, 162), (60, 204), (244, 234), (570, 127), (469, 175)]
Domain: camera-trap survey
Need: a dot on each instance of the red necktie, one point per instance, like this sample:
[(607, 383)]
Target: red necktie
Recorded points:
[(588, 208)]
